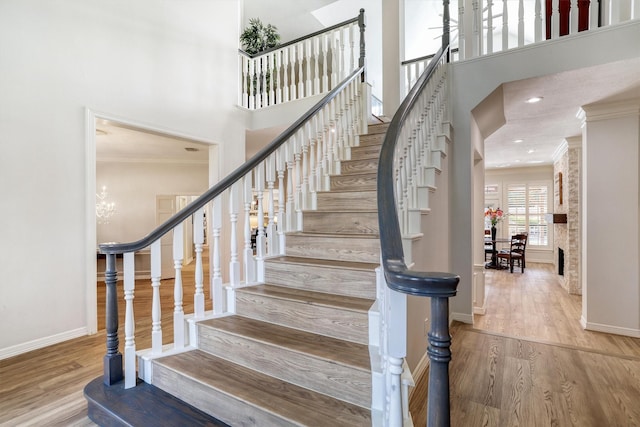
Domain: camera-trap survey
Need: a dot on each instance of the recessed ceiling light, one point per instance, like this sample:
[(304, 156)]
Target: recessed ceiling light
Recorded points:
[(531, 150), (517, 141), (534, 99)]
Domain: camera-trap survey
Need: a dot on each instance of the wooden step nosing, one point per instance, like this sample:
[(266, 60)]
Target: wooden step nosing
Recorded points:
[(306, 301), (329, 264)]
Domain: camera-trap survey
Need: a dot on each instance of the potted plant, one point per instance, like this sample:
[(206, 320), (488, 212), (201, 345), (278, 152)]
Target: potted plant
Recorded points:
[(256, 38)]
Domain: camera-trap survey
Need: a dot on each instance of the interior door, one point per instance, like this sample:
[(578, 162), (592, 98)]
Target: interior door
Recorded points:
[(165, 208)]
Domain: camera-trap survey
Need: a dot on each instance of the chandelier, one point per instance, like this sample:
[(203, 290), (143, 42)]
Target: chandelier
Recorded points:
[(104, 208)]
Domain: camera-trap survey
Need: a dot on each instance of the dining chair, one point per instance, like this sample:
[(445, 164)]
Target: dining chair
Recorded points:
[(516, 252), (488, 245)]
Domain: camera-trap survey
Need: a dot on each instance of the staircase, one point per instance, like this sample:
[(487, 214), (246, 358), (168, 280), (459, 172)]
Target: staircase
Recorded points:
[(296, 351)]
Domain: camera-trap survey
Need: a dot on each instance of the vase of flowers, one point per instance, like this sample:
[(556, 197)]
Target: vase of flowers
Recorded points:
[(494, 216)]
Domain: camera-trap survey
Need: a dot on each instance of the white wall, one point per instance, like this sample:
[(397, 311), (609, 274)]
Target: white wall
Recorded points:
[(169, 64), (611, 221), (134, 186), (475, 79)]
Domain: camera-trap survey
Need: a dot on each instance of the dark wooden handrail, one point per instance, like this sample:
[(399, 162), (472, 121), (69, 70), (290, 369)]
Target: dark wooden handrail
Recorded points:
[(229, 180), (440, 286), (308, 36)]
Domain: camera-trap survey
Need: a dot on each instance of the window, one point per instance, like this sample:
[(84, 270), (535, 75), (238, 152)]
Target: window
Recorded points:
[(526, 208)]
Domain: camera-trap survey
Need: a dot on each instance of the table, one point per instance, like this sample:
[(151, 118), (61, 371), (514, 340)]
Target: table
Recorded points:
[(494, 255)]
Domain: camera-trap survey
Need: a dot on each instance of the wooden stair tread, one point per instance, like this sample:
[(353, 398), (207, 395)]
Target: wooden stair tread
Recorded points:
[(294, 403), (338, 351), (353, 265), (310, 297)]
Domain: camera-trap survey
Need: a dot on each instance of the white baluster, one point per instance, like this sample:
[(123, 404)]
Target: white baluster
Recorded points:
[(307, 48), (297, 154), (324, 43), (156, 322), (461, 32), (281, 165), (313, 183), (555, 19), (272, 233), (539, 25), (198, 240), (252, 84), (129, 321), (304, 189), (594, 13), (505, 25), (245, 81), (573, 20), (290, 214), (353, 29), (264, 66), (234, 263), (271, 77), (326, 143), (285, 74), (300, 50), (249, 262), (489, 26), (278, 78), (178, 311), (477, 30), (334, 59), (316, 62), (521, 23), (217, 291), (260, 238), (292, 89), (342, 67), (395, 402)]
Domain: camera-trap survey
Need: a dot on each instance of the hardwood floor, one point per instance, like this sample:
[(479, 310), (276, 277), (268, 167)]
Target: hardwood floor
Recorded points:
[(527, 362)]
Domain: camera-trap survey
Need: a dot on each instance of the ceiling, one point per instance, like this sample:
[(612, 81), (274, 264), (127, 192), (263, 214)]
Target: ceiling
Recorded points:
[(533, 132), (118, 142)]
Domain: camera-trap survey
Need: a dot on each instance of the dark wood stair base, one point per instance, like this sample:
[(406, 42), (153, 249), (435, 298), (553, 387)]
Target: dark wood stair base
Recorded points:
[(143, 405)]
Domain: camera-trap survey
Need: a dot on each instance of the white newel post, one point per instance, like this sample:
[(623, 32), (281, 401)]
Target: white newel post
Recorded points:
[(129, 321), (217, 291), (156, 274), (198, 240), (178, 311), (249, 262)]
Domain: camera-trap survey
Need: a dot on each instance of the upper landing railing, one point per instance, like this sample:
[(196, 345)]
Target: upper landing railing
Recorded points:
[(488, 26), (301, 68)]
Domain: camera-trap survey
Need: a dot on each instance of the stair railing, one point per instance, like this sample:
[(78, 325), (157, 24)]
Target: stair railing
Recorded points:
[(303, 156), (499, 25), (409, 154), (301, 68)]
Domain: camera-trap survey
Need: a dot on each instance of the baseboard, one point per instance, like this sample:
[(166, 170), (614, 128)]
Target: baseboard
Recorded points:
[(609, 329), (15, 350), (480, 310), (462, 317)]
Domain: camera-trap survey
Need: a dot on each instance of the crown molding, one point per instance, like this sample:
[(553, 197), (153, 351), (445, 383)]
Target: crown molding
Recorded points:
[(609, 110)]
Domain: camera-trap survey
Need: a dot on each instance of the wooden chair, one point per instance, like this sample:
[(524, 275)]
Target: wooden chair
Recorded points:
[(488, 245), (516, 252)]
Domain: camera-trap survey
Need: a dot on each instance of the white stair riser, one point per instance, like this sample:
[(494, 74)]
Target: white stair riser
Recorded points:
[(323, 320)]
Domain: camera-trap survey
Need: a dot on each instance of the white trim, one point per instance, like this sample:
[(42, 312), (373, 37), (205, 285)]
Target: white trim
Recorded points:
[(15, 350), (90, 195), (609, 329), (148, 160), (462, 317)]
